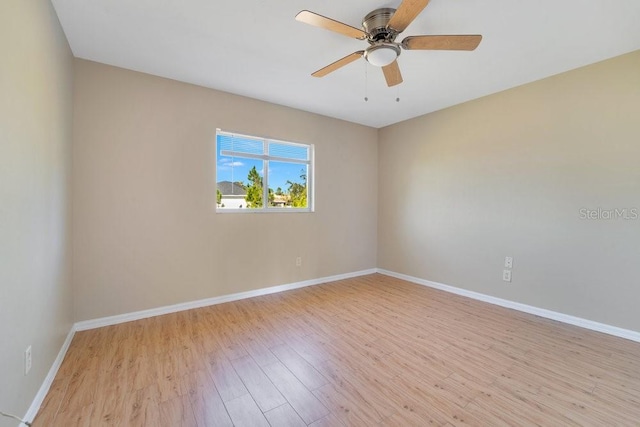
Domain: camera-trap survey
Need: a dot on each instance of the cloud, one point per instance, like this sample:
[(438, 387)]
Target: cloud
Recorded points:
[(230, 162)]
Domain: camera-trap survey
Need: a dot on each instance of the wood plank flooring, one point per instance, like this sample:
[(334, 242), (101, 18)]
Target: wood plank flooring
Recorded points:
[(360, 352)]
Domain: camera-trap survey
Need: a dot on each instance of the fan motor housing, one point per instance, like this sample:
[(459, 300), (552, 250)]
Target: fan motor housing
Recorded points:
[(375, 25)]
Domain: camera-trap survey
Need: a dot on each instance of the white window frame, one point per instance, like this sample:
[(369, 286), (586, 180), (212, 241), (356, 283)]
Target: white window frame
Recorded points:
[(265, 176)]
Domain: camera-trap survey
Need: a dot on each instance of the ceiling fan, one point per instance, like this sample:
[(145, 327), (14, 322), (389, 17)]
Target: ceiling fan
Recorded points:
[(380, 29)]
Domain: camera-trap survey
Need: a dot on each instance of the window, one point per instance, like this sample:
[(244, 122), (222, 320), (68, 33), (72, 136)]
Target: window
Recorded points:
[(262, 175)]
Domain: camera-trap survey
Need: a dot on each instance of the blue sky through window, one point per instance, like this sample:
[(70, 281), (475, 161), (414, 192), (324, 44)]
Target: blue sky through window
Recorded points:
[(236, 169)]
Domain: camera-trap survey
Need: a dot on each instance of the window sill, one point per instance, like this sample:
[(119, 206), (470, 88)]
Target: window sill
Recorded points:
[(264, 211)]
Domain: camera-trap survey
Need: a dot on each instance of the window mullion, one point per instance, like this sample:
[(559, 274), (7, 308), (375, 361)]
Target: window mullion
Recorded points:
[(241, 154), (287, 160), (265, 176)]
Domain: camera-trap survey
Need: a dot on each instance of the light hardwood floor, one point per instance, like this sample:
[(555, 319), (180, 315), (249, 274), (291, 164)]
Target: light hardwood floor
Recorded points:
[(361, 352)]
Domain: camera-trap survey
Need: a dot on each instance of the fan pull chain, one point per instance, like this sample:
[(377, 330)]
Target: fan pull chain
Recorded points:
[(366, 81), (397, 93)]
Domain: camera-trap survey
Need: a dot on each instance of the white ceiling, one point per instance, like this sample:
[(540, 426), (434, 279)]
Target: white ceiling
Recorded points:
[(255, 48)]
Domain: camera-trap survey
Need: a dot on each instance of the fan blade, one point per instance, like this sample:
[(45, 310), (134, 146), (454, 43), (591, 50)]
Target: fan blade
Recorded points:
[(338, 64), (329, 24), (392, 74), (469, 42), (406, 13)]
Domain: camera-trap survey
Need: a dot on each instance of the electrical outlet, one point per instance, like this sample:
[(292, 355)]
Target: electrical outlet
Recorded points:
[(506, 275), (298, 261), (508, 262), (27, 360)]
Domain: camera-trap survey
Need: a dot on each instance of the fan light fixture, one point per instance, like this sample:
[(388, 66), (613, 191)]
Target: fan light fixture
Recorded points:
[(381, 54)]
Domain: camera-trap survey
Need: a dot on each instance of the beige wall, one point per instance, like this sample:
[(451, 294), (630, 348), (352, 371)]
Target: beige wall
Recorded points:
[(507, 175), (35, 165), (145, 229)]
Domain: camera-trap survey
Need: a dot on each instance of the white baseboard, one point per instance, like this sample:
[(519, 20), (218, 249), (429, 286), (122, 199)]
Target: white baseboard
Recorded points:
[(128, 317), (46, 384), (553, 315)]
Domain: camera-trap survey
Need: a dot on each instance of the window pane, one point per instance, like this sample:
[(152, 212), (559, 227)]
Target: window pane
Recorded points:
[(288, 151), (239, 182), (287, 185)]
